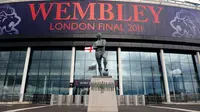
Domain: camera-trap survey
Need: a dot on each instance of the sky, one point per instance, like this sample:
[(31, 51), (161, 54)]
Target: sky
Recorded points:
[(193, 1)]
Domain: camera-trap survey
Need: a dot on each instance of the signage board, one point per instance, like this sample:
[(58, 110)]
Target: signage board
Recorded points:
[(71, 17)]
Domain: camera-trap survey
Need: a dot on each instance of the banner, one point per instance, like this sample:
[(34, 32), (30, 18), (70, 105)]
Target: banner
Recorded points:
[(71, 17)]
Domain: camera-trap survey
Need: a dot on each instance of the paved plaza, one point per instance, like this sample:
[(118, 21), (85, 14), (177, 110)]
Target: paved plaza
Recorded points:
[(6, 107), (148, 108)]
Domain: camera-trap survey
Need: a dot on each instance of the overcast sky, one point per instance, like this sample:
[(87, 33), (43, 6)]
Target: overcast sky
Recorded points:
[(193, 1)]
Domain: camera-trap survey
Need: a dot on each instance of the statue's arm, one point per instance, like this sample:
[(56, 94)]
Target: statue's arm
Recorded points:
[(104, 42), (94, 46)]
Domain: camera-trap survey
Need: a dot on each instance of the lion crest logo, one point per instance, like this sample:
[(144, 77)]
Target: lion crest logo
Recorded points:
[(185, 24), (8, 20)]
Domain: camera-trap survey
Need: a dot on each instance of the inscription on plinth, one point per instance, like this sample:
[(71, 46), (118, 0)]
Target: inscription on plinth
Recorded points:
[(102, 86), (102, 97)]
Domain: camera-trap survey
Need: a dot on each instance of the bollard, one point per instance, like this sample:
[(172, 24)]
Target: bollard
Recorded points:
[(52, 99), (143, 100), (64, 99), (118, 100), (122, 100), (85, 100), (77, 99), (135, 100), (59, 99), (131, 100), (68, 99), (127, 100)]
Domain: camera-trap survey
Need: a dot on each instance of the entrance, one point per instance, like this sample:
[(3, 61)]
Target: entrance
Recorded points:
[(81, 91), (81, 87)]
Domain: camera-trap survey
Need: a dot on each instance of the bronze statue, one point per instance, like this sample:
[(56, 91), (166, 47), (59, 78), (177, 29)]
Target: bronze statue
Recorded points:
[(99, 47)]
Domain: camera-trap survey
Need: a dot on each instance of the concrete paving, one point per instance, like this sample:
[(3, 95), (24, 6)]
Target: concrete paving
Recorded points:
[(5, 107), (182, 106), (84, 109)]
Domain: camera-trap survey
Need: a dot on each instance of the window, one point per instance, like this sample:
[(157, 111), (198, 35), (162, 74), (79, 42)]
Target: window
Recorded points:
[(49, 72), (11, 71), (181, 73), (141, 73)]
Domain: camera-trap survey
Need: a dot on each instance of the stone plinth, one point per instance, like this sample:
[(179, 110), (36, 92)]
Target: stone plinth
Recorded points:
[(102, 97)]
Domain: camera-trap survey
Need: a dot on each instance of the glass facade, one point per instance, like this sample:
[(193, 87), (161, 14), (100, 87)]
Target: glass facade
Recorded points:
[(85, 60), (182, 76), (141, 73), (11, 72), (49, 72)]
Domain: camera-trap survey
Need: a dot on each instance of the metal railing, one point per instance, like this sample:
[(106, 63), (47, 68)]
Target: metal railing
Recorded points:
[(154, 99), (9, 97), (179, 3), (185, 98)]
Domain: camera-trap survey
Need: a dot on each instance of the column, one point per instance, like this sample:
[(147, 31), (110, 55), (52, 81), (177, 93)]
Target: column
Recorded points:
[(72, 71), (23, 84), (162, 58), (198, 57), (120, 71)]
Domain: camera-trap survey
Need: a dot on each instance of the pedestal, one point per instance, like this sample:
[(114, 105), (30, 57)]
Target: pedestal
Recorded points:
[(102, 97)]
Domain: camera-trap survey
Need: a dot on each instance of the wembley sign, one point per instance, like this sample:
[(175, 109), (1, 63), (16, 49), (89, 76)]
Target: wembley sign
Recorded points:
[(105, 12), (47, 18)]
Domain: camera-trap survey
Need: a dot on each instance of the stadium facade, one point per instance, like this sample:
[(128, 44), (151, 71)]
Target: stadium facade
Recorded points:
[(151, 48)]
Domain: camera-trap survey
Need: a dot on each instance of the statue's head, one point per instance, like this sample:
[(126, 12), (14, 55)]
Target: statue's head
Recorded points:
[(98, 36)]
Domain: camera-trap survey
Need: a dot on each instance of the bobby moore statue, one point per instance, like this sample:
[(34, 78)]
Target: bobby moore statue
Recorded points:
[(99, 47)]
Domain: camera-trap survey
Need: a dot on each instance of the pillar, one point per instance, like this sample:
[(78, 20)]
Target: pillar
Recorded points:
[(198, 57), (162, 58), (120, 72), (72, 71), (25, 72)]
